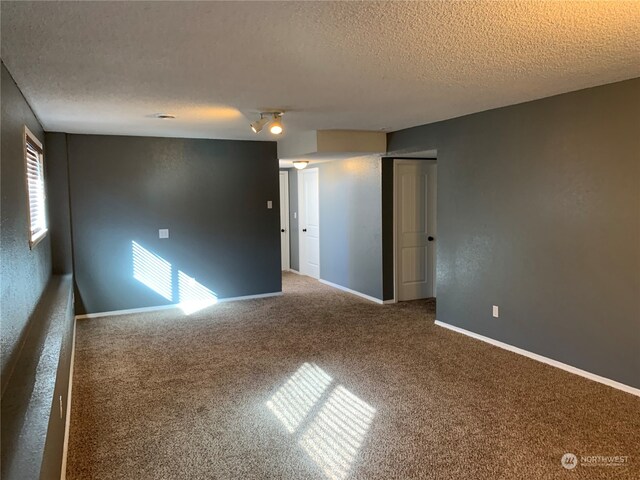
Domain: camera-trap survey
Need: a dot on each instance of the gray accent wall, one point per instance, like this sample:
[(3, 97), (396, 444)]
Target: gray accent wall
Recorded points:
[(212, 196), (58, 201), (24, 272), (351, 224), (539, 213), (36, 312), (388, 269), (34, 404)]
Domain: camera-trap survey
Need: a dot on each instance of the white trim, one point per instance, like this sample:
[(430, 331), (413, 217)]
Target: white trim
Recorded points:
[(302, 214), (33, 137), (540, 358), (301, 251), (250, 297), (394, 196), (294, 271), (125, 312), (395, 231), (26, 137), (67, 424), (354, 292), (284, 198), (170, 307)]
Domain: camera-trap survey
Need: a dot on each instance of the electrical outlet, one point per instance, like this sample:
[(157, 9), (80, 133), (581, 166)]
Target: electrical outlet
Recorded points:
[(269, 204), (496, 311)]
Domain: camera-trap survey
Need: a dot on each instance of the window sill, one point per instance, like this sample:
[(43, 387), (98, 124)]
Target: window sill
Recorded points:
[(37, 238)]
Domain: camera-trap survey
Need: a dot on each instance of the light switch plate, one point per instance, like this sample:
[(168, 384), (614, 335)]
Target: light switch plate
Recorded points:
[(496, 311), (269, 204), (163, 233)]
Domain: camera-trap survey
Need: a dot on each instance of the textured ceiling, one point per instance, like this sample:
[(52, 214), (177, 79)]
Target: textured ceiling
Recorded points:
[(106, 67)]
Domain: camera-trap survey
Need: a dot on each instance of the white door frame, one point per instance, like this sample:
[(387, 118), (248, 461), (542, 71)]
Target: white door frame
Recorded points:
[(302, 253), (432, 268), (284, 199)]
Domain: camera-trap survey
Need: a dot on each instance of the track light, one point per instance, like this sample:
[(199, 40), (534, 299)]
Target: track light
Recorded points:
[(258, 125), (276, 125), (300, 164), (274, 119)]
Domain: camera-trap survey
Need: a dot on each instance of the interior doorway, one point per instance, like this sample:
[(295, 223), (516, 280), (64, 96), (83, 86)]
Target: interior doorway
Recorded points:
[(284, 221), (414, 228), (309, 222)]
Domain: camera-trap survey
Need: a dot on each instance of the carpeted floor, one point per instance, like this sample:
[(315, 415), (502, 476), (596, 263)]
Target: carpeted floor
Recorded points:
[(320, 384)]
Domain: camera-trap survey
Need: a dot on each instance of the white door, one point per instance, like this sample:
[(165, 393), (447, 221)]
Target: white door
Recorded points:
[(415, 200), (284, 219), (309, 222)]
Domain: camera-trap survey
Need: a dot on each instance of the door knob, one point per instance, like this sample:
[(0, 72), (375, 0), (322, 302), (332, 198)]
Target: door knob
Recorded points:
[(304, 229), (282, 230), (430, 239)]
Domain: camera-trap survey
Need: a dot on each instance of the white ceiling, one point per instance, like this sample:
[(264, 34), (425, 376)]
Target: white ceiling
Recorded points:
[(106, 67)]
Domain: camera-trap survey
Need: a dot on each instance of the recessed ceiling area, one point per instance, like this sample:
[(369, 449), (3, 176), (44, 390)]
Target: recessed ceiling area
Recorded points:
[(109, 67)]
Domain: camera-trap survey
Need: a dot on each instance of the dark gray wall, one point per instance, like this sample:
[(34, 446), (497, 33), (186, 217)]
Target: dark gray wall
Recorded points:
[(351, 224), (58, 202), (211, 194), (388, 287), (36, 312), (32, 427), (539, 213), (24, 273), (294, 230), (58, 348)]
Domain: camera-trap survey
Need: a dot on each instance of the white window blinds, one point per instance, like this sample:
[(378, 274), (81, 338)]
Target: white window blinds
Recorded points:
[(34, 163)]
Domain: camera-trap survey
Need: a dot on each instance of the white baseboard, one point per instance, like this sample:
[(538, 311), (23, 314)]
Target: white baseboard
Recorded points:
[(354, 292), (67, 424), (126, 312), (540, 358), (171, 307), (250, 297), (294, 271)]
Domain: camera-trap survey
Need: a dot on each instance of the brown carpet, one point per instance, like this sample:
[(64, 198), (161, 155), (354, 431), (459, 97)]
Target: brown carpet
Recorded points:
[(320, 384)]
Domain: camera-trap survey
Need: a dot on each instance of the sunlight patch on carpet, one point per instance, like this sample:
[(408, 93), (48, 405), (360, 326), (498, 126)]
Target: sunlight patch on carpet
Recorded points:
[(336, 420), (295, 399), (336, 433)]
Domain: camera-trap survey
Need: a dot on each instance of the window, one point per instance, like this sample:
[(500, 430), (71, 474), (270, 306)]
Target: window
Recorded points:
[(34, 168)]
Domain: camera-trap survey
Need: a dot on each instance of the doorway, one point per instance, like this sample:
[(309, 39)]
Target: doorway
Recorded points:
[(309, 222), (284, 220), (414, 229)]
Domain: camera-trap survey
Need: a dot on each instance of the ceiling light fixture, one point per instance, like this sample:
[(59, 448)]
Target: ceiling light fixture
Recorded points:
[(274, 119), (164, 116), (300, 164), (276, 124), (258, 125)]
